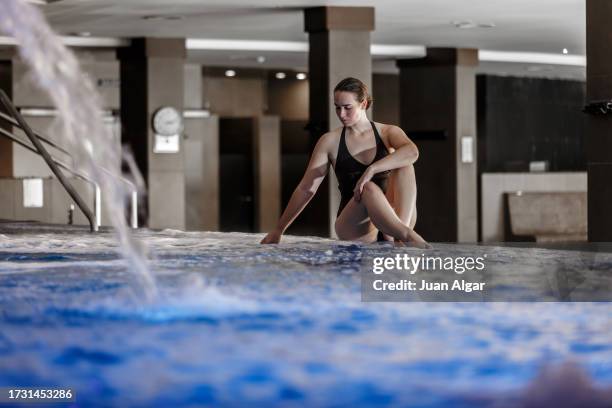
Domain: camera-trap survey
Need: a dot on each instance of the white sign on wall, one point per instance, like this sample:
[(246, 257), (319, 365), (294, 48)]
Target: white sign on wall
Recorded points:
[(166, 144), (33, 193), (467, 146)]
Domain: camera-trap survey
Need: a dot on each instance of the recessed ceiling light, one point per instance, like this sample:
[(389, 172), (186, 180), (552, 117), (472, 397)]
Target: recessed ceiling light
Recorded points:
[(280, 75), (565, 51), (300, 76), (230, 73)]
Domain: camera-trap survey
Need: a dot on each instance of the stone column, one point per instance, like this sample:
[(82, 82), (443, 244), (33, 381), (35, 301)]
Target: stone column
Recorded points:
[(6, 84), (8, 188), (201, 158), (152, 72), (339, 39), (438, 112), (267, 163), (599, 127)]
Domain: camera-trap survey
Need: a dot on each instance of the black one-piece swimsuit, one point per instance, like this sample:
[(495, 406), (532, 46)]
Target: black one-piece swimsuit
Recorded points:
[(349, 170)]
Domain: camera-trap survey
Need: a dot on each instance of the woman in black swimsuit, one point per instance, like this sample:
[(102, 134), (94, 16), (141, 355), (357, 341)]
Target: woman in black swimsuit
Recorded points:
[(374, 166)]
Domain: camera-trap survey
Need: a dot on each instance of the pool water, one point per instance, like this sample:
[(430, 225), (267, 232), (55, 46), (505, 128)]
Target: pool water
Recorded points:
[(239, 324)]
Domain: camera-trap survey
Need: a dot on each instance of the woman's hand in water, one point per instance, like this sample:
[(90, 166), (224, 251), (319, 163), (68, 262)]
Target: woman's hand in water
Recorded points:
[(365, 177), (273, 237)]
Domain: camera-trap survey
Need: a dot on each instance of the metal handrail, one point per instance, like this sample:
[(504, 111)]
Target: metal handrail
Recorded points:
[(134, 196), (54, 164), (7, 134), (50, 162)]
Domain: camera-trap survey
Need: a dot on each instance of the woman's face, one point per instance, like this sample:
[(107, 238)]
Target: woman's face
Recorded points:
[(348, 109)]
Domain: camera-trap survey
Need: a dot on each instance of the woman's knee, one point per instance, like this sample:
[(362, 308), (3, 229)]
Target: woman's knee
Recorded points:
[(369, 188)]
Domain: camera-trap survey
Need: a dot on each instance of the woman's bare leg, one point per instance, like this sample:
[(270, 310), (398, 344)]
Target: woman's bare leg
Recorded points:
[(353, 223), (384, 217), (396, 211), (402, 194)]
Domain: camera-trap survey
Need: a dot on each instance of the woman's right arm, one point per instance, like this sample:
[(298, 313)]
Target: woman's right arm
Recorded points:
[(317, 169)]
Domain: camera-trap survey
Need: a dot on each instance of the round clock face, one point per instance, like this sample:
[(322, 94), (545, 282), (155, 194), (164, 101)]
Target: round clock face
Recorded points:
[(167, 121)]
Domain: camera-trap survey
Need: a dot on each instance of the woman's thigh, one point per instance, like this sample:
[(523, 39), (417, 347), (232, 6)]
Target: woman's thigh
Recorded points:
[(353, 223)]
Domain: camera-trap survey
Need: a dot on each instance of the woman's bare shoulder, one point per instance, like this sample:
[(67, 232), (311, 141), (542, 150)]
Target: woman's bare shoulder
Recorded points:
[(386, 128), (335, 132), (386, 131), (330, 138)]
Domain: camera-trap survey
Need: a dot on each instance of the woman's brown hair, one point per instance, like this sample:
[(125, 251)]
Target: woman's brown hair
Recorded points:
[(357, 87)]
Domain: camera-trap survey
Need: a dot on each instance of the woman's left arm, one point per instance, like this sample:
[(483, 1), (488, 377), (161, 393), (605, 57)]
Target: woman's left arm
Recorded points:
[(406, 153)]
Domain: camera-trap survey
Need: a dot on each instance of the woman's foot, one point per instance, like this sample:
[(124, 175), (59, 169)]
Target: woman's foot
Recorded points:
[(414, 239)]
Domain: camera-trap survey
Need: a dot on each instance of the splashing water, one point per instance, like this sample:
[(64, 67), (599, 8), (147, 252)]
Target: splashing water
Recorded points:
[(57, 72)]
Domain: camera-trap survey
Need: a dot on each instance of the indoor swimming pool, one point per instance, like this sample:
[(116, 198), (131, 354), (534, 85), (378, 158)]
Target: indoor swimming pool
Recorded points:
[(235, 323)]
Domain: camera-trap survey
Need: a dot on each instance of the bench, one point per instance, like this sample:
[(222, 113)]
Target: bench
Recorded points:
[(548, 216)]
